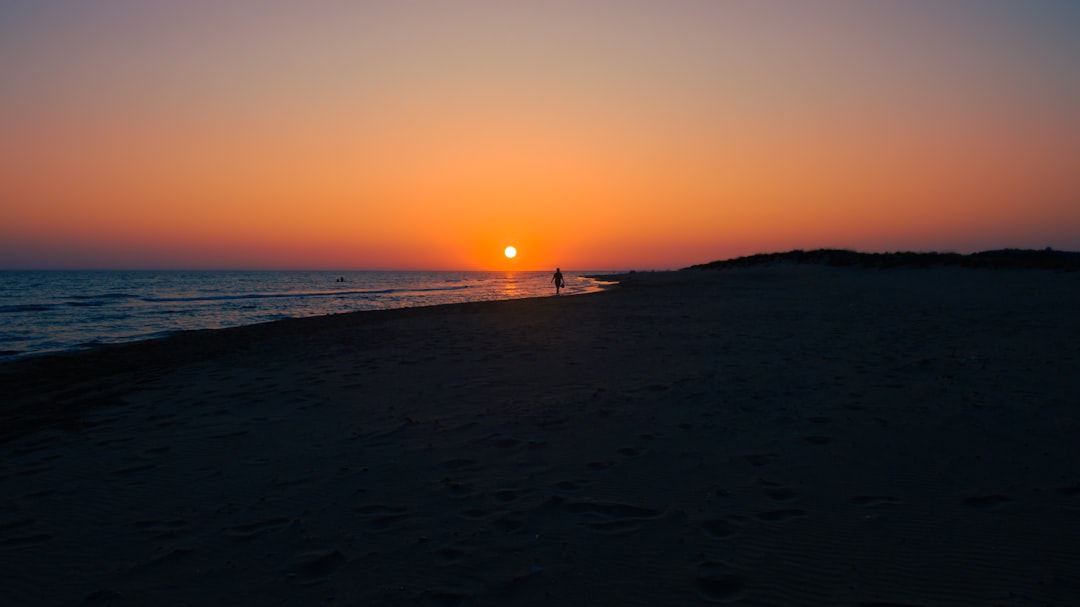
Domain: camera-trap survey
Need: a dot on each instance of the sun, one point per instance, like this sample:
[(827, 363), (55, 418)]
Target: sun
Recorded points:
[(510, 252)]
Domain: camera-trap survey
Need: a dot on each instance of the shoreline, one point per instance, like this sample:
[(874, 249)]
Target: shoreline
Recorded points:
[(780, 435), (28, 376), (45, 315)]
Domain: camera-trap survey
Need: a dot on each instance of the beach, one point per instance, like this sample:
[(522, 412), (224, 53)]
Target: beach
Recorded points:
[(775, 435)]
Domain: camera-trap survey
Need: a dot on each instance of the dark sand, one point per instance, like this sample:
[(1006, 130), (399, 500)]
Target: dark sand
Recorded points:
[(785, 435)]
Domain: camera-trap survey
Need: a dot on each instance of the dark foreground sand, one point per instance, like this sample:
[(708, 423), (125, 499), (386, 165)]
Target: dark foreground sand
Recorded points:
[(762, 436)]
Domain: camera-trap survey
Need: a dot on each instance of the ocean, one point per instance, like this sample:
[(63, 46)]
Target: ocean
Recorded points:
[(55, 311)]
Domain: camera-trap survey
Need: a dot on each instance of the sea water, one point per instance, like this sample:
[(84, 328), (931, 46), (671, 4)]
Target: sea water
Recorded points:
[(50, 311)]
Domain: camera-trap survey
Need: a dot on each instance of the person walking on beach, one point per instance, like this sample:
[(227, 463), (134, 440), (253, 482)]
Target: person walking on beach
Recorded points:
[(558, 280)]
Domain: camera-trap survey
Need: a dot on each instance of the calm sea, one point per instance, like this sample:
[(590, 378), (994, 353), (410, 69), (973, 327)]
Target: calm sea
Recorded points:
[(52, 311)]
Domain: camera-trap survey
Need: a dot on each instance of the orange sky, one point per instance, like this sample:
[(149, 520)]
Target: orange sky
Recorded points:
[(603, 135)]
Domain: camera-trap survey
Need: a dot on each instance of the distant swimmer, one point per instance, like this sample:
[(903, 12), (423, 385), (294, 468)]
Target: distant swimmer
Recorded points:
[(558, 280), (340, 279)]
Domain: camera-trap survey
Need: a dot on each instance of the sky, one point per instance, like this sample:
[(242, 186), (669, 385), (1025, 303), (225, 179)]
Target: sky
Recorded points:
[(618, 135)]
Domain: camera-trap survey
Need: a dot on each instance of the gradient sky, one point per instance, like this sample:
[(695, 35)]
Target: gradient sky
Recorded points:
[(601, 135)]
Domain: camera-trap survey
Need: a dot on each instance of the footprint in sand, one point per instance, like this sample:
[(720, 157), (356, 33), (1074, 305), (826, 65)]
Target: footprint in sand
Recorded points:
[(985, 501), (717, 582), (162, 529), (612, 517), (315, 567), (509, 522), (251, 531), (134, 469), (873, 500), (109, 442), (27, 540), (102, 596), (570, 485), (759, 459), (17, 524), (508, 495), (780, 494), (46, 443), (474, 513), (781, 515), (176, 554), (458, 489), (718, 528), (228, 435), (457, 464), (449, 554), (447, 598), (381, 517)]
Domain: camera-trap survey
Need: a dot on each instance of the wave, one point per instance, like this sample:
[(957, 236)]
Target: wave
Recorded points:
[(301, 294), (171, 312), (103, 296), (25, 308), (96, 300)]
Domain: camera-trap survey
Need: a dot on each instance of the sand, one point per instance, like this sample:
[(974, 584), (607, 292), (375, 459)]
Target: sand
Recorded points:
[(785, 435)]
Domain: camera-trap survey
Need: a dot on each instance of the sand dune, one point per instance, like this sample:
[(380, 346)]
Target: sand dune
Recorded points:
[(780, 435)]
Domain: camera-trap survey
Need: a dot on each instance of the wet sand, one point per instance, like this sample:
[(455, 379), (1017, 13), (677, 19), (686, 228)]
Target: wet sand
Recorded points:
[(781, 435)]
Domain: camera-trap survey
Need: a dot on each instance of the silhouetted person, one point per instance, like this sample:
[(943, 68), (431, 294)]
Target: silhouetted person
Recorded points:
[(558, 280)]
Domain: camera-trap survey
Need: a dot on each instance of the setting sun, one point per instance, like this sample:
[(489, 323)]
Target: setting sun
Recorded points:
[(384, 136)]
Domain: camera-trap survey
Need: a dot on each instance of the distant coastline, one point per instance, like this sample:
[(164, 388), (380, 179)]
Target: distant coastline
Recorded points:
[(1046, 259)]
